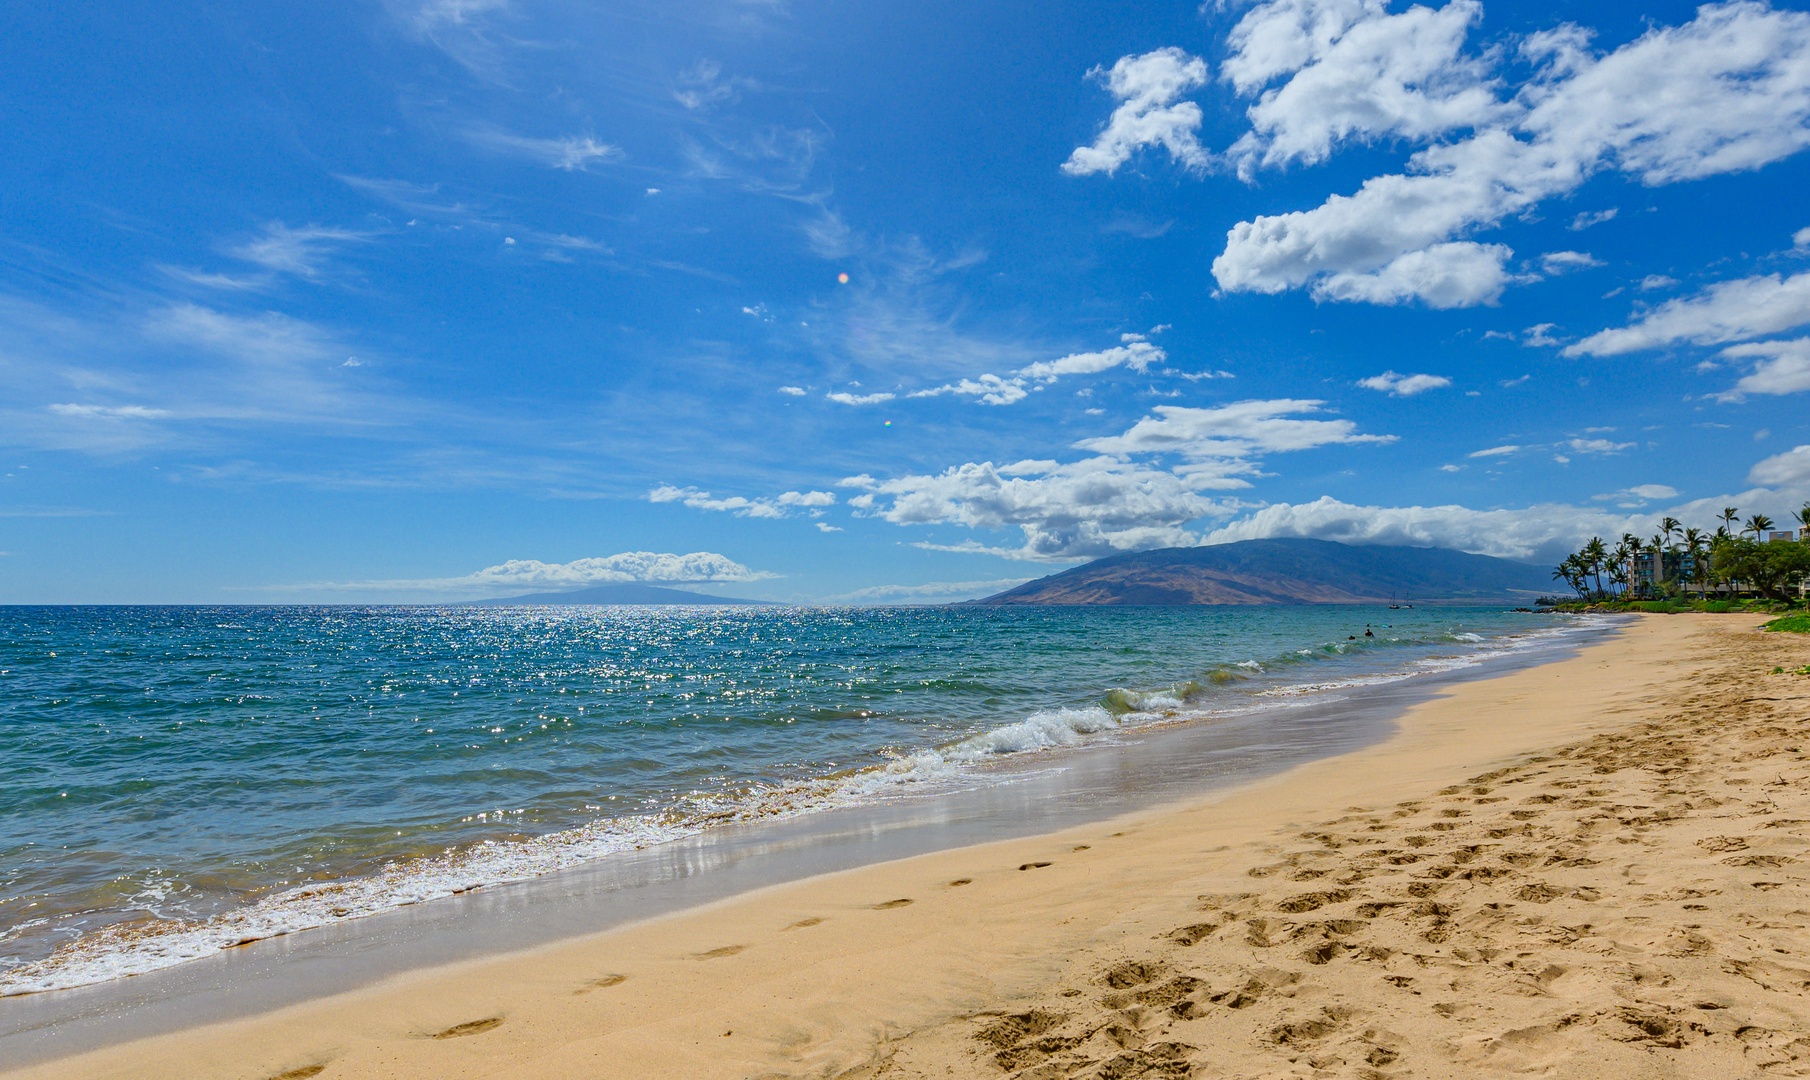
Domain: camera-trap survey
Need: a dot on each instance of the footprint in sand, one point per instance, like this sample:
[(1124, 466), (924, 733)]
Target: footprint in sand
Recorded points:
[(891, 904), (961, 881), (302, 1073), (1033, 866), (1082, 847), (470, 1027), (602, 983), (802, 923), (717, 954)]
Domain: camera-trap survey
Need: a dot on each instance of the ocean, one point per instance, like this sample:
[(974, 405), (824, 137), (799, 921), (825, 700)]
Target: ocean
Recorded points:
[(179, 780)]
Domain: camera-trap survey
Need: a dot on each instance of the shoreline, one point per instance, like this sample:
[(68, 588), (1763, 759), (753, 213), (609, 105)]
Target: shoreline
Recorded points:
[(870, 967), (1019, 795), (990, 747)]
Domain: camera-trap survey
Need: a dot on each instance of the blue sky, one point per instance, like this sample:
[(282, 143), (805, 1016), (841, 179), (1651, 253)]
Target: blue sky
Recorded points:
[(420, 301)]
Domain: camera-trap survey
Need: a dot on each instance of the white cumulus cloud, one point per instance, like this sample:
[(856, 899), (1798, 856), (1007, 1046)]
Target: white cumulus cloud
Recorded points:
[(778, 506), (1588, 218), (1134, 351), (1149, 114), (1397, 385), (1562, 262), (1633, 498), (1536, 532), (1084, 509), (1598, 446), (1726, 92), (1790, 469), (1726, 311), (843, 397), (514, 575), (628, 566), (1122, 499), (1354, 73), (1783, 367), (1232, 433), (990, 389)]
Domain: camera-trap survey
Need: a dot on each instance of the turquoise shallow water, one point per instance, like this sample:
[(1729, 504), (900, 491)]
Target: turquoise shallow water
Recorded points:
[(175, 780)]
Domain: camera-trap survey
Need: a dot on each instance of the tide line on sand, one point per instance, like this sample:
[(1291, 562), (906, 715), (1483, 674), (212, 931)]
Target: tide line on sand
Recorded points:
[(1594, 867)]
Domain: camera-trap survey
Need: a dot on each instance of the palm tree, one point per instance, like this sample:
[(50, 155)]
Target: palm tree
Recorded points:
[(1803, 517), (1729, 514), (1668, 526), (1693, 545), (1596, 557), (1569, 572), (1758, 524), (1625, 550)]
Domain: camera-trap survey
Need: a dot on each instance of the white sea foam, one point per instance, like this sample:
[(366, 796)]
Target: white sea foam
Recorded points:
[(135, 949)]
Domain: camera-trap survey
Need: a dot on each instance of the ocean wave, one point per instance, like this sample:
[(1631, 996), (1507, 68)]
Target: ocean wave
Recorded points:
[(127, 949)]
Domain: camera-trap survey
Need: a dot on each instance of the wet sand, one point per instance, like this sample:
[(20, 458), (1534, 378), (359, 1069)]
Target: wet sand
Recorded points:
[(1589, 868)]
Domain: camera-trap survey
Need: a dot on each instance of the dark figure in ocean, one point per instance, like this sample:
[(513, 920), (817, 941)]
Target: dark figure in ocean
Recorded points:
[(1367, 632)]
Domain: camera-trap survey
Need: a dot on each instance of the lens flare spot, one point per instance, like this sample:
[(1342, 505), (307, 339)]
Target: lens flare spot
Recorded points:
[(843, 278)]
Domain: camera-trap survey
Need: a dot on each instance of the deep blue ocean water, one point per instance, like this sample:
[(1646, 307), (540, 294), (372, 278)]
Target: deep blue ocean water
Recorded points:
[(175, 780)]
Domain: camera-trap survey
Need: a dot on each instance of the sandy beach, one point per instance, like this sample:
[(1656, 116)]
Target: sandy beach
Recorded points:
[(1590, 868)]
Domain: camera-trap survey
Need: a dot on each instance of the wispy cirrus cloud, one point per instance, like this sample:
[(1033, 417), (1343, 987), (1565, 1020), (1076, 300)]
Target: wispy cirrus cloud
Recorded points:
[(567, 152), (297, 251), (279, 251), (438, 14), (108, 412), (114, 378)]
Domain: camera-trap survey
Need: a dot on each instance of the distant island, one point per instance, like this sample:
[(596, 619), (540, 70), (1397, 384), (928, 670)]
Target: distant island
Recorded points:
[(620, 594), (1285, 571)]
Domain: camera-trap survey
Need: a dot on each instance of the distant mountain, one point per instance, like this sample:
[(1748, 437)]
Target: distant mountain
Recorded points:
[(1285, 571), (618, 594)]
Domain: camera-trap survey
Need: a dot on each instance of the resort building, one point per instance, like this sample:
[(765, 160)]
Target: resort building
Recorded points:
[(1673, 566)]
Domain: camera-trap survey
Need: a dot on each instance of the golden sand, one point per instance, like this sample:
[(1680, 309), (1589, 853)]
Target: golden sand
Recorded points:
[(1595, 868)]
